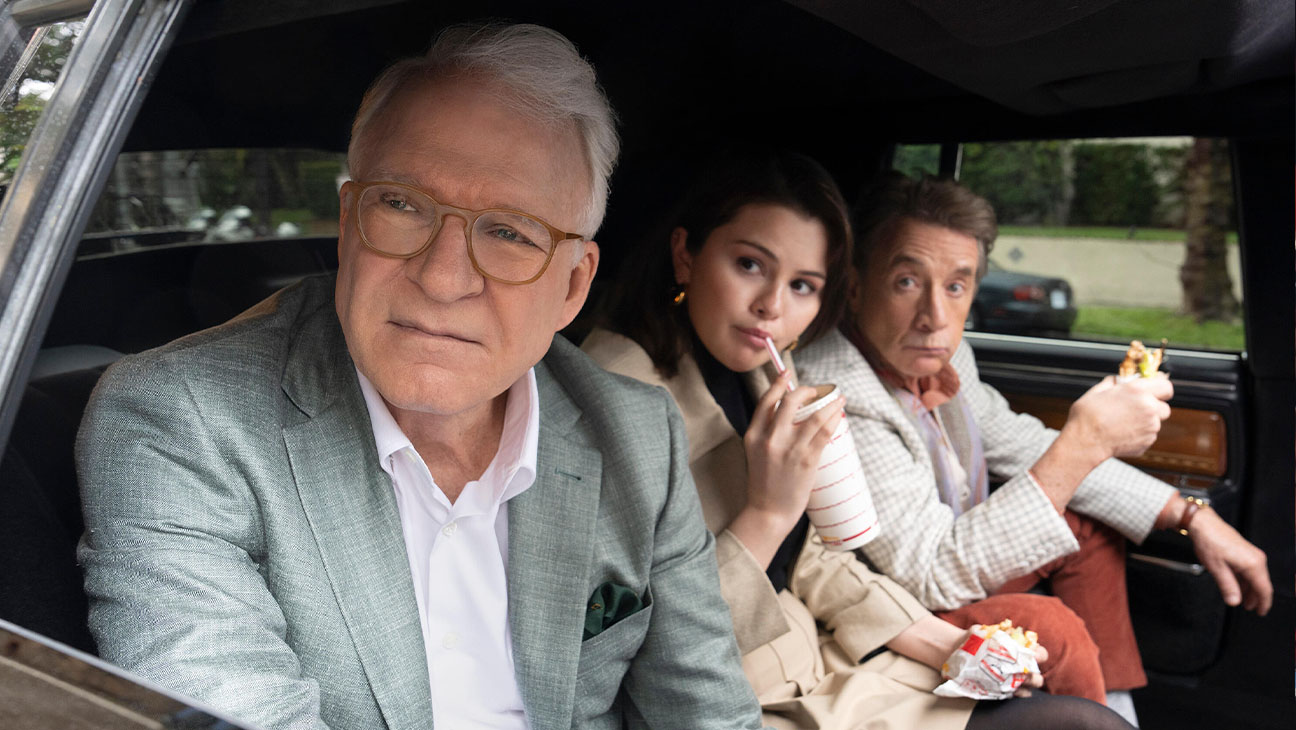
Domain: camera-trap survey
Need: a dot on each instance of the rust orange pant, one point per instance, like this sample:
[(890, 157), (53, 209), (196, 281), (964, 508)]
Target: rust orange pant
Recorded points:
[(1090, 638)]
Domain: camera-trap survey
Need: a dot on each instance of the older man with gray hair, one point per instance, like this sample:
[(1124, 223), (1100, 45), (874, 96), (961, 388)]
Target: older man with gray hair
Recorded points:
[(396, 499), (930, 433)]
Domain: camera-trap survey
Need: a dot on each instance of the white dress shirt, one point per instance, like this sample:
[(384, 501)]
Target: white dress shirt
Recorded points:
[(458, 556)]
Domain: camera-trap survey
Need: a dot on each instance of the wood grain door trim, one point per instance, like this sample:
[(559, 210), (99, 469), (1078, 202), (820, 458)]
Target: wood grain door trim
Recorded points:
[(1192, 441)]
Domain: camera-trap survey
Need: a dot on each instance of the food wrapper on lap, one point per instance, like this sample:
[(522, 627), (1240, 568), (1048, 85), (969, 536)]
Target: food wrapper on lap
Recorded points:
[(991, 664)]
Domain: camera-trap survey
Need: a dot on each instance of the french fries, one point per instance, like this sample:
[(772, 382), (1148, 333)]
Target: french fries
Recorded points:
[(1028, 639)]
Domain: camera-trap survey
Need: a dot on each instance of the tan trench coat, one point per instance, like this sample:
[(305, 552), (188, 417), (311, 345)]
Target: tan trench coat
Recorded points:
[(802, 646)]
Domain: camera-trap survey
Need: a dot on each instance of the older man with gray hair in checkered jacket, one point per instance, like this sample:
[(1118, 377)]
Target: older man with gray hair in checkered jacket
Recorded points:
[(930, 433)]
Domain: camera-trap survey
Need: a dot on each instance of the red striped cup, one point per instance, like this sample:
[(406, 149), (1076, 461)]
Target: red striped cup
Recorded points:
[(840, 508)]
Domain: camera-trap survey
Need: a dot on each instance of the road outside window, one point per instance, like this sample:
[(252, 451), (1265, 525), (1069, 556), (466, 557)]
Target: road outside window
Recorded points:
[(1138, 236)]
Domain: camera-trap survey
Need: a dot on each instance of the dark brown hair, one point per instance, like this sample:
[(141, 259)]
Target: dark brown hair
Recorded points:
[(641, 308), (935, 201)]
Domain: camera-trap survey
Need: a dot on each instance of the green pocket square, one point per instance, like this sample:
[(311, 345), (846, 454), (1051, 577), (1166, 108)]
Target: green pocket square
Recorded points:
[(607, 605)]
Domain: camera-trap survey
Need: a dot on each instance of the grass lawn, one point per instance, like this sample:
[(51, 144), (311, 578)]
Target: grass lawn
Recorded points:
[(1113, 233), (1151, 324)]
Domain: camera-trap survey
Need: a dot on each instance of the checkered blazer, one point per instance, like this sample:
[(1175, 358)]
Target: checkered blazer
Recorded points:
[(948, 561)]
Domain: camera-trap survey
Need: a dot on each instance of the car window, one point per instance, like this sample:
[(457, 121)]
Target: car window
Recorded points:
[(1106, 239), (216, 195), (27, 89), (916, 160)]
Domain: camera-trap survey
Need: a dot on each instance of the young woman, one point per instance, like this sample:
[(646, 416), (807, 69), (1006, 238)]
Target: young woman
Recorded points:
[(760, 249)]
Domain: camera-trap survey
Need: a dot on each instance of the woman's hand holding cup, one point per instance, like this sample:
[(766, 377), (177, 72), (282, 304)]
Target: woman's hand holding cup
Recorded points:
[(782, 458)]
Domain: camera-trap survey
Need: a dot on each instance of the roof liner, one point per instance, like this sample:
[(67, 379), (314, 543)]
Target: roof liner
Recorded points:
[(1048, 58), (684, 74), (995, 23)]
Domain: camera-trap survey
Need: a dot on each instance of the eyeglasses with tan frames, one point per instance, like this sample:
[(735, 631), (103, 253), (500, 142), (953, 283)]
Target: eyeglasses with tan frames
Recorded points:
[(504, 245)]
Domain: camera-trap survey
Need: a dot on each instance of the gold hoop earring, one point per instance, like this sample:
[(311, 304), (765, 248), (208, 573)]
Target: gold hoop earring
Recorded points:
[(679, 298), (795, 342)]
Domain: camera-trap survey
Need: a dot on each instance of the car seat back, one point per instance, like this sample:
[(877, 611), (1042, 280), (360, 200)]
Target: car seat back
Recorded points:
[(41, 587)]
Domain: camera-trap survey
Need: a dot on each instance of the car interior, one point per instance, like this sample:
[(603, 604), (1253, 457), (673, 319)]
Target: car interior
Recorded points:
[(844, 82)]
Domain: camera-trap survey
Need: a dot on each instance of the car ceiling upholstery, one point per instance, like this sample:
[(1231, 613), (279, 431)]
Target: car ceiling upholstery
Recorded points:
[(906, 70), (1049, 57)]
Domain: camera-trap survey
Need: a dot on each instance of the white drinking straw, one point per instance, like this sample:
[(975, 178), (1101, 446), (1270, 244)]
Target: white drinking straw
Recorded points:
[(778, 361)]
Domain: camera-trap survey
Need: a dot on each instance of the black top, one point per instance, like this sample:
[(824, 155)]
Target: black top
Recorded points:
[(729, 390)]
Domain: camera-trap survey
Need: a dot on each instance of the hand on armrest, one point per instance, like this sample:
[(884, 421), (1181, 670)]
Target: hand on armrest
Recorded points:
[(1240, 569)]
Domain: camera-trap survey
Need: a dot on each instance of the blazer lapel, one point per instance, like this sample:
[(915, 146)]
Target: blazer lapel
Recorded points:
[(706, 422), (352, 512), (551, 537)]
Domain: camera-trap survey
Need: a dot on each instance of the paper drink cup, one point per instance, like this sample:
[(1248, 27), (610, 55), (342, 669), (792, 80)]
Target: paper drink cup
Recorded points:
[(841, 508)]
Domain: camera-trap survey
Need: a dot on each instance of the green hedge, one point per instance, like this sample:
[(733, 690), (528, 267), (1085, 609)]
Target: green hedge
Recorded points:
[(1115, 185), (1022, 180)]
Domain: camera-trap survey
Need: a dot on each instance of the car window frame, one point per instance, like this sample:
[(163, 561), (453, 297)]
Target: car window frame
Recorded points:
[(64, 168), (951, 164)]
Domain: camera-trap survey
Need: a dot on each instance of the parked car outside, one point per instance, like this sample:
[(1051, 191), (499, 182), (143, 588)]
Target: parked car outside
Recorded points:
[(1016, 302)]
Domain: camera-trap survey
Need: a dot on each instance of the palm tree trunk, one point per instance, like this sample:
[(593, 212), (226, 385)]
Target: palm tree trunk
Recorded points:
[(1207, 287)]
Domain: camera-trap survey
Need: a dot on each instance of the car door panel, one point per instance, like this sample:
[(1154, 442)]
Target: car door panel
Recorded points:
[(1179, 616), (1193, 442)]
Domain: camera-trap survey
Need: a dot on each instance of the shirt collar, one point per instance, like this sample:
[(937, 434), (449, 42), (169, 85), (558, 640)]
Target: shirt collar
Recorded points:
[(388, 436), (513, 469), (932, 391), (514, 465)]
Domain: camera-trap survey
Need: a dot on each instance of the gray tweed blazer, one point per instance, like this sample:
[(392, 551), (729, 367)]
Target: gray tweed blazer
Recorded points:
[(243, 544)]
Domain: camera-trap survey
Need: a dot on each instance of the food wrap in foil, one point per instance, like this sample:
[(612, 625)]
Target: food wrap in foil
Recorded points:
[(990, 665)]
